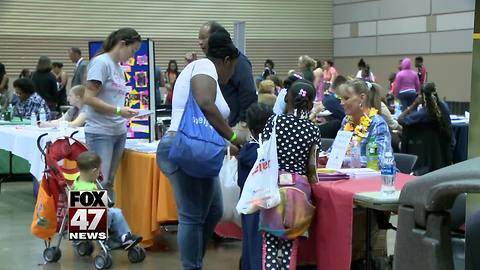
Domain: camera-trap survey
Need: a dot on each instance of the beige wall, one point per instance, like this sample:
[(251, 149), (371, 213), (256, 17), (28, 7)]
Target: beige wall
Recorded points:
[(451, 72), (280, 30), (383, 31)]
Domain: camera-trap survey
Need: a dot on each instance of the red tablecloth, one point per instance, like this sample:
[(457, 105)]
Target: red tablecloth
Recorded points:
[(332, 228), (330, 243)]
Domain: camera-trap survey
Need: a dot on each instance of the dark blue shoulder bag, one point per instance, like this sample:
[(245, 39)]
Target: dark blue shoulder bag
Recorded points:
[(198, 149)]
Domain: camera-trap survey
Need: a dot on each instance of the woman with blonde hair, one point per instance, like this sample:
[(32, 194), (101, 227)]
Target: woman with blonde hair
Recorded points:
[(361, 102), (266, 93), (75, 116), (306, 65)]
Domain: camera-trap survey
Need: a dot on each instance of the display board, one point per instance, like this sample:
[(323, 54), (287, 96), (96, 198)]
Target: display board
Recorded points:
[(139, 74)]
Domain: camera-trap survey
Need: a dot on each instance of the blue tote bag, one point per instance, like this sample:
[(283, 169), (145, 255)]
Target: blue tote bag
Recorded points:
[(198, 149)]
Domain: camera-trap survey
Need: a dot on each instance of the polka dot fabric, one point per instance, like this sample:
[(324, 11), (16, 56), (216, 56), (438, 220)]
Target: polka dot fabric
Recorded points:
[(279, 254), (295, 137)]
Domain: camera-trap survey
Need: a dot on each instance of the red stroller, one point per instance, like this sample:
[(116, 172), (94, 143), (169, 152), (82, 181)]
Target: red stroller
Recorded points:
[(60, 158)]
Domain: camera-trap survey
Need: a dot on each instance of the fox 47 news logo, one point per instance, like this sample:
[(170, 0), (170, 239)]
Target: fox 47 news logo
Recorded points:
[(87, 215)]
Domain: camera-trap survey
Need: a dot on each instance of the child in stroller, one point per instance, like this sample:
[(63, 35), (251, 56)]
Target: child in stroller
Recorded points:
[(119, 233), (60, 176)]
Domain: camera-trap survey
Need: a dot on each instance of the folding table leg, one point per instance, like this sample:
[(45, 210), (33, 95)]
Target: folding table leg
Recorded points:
[(368, 240), (10, 170)]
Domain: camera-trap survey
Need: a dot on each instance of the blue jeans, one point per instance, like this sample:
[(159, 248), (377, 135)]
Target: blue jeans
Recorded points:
[(407, 98), (110, 149), (117, 225), (199, 204)]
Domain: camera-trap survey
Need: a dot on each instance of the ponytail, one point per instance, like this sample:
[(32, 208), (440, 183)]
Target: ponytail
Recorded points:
[(375, 96), (129, 35), (303, 93), (372, 91), (434, 108)]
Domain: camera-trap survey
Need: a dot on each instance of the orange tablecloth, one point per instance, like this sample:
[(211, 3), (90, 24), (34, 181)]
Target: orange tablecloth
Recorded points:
[(144, 194)]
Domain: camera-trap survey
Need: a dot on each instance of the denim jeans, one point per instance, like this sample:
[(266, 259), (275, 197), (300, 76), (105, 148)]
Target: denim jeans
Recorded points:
[(117, 225), (110, 149), (199, 204), (407, 98)]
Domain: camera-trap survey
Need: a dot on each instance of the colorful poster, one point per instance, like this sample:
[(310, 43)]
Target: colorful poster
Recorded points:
[(137, 76)]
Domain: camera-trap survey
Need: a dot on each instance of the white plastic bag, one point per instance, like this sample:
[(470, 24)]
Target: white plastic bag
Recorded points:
[(261, 187), (230, 189)]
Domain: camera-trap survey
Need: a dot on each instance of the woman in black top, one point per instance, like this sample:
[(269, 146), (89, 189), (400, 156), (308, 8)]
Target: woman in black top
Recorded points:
[(62, 79), (5, 94), (45, 82)]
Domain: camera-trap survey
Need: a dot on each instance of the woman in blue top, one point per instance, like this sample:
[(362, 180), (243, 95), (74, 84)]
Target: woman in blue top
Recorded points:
[(361, 102)]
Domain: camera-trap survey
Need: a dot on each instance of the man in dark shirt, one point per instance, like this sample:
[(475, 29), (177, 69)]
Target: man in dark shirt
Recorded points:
[(331, 102), (240, 91)]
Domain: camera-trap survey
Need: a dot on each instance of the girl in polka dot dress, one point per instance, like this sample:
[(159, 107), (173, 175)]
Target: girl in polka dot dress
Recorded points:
[(296, 139)]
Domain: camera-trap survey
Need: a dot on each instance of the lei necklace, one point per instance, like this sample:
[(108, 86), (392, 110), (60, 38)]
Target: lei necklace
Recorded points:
[(360, 131)]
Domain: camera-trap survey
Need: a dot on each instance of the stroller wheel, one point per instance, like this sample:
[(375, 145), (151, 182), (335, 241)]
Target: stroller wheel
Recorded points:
[(136, 254), (103, 261), (84, 248), (100, 262), (109, 261), (52, 254), (142, 254)]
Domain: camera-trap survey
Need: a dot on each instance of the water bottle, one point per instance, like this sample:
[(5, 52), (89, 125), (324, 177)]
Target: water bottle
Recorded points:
[(9, 113), (398, 110), (372, 154), (33, 119), (388, 174), (355, 154), (42, 115), (62, 124)]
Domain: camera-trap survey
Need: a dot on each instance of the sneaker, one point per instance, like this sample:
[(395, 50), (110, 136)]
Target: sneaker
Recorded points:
[(131, 240)]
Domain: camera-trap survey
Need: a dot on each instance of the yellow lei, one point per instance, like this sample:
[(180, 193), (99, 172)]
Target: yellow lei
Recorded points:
[(360, 131)]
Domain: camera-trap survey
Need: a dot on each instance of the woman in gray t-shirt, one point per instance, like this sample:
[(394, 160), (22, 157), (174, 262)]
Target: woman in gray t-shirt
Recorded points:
[(105, 130)]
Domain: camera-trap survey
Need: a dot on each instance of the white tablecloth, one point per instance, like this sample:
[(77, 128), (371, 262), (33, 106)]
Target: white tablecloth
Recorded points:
[(22, 142)]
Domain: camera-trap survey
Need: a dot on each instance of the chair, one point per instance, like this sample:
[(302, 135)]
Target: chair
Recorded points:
[(433, 149), (425, 237), (405, 162), (326, 143)]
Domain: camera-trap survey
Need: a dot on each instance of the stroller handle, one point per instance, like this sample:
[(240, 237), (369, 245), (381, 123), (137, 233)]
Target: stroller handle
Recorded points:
[(39, 145), (39, 139), (73, 133)]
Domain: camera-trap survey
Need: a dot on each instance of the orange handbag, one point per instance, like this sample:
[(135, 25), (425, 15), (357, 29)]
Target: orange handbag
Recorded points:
[(44, 224)]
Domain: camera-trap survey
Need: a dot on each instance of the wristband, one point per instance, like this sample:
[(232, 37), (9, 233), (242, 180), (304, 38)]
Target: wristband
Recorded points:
[(233, 138), (118, 111)]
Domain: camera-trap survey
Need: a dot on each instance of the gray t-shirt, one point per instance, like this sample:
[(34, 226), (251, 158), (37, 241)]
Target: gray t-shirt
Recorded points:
[(105, 70), (73, 113)]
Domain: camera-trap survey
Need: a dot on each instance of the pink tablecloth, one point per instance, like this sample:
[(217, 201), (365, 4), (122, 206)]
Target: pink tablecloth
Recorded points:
[(330, 243), (332, 237)]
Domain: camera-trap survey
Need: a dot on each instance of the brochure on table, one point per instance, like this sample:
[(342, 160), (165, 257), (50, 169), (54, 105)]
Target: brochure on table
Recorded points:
[(339, 150), (140, 76)]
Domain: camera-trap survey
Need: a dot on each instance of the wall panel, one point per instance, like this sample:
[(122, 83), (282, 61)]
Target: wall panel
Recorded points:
[(30, 28)]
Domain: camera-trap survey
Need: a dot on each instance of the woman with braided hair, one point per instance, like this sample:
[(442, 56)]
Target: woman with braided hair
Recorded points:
[(433, 111), (427, 132)]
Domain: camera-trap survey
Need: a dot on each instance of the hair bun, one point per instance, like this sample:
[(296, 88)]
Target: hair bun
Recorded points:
[(220, 45)]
